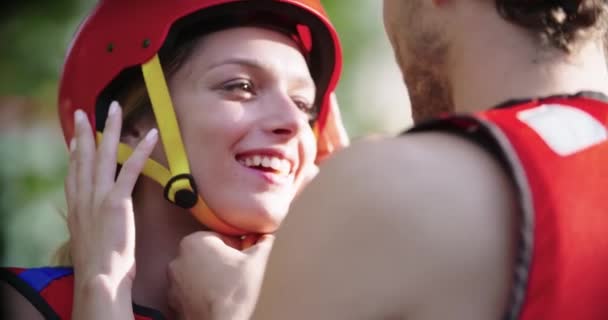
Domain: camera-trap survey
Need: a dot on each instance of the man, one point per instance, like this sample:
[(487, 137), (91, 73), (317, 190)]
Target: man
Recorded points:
[(501, 215)]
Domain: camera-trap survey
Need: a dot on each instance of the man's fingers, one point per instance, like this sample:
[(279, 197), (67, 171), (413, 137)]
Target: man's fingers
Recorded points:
[(190, 241), (233, 242), (249, 240), (262, 248), (209, 240), (135, 164), (106, 153)]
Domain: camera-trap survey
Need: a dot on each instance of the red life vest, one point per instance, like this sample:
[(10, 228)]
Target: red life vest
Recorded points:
[(556, 151), (51, 289)]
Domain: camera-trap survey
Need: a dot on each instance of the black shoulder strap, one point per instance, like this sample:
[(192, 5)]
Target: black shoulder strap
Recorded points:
[(28, 292)]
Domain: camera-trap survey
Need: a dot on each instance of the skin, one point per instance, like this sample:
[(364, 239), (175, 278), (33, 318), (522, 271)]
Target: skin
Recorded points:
[(389, 229), (242, 91)]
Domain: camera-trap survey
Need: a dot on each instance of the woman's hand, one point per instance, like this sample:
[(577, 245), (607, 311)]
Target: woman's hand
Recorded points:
[(212, 279), (100, 218)]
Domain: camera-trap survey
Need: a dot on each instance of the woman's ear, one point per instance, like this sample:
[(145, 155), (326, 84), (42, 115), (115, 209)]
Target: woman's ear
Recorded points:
[(134, 131)]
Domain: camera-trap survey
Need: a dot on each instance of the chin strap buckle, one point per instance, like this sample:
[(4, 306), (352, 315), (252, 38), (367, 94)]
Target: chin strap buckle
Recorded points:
[(181, 190)]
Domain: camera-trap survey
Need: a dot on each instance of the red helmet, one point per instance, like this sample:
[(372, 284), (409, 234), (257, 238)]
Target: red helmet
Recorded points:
[(122, 34)]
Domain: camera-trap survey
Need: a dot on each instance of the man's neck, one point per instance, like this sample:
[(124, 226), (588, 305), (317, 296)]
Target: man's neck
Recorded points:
[(488, 69)]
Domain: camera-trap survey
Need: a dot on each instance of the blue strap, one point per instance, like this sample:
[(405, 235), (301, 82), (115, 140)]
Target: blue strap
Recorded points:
[(40, 278)]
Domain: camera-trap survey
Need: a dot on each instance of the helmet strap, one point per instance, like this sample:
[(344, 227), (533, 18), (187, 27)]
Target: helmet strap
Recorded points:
[(181, 181)]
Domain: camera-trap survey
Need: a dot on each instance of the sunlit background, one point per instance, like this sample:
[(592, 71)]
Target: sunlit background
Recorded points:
[(33, 38)]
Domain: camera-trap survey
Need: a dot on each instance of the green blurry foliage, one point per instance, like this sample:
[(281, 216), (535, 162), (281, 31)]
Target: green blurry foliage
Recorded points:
[(31, 202), (34, 37)]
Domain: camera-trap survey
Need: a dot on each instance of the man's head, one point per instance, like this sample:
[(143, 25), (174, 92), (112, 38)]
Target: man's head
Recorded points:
[(427, 34)]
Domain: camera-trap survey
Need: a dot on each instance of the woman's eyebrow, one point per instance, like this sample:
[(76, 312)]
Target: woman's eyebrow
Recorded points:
[(248, 62), (253, 63), (240, 61)]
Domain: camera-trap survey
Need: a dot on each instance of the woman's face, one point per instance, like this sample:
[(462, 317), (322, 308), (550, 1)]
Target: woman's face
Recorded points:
[(243, 100)]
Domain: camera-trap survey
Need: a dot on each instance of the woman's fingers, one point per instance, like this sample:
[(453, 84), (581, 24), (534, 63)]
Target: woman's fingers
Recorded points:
[(85, 157), (134, 165), (70, 184), (90, 180), (101, 218), (105, 170)]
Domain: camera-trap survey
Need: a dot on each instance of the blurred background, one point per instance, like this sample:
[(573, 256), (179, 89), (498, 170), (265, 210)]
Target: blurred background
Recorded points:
[(34, 35)]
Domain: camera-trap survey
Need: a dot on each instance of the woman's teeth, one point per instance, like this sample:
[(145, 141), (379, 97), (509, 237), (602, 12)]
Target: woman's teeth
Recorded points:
[(280, 166)]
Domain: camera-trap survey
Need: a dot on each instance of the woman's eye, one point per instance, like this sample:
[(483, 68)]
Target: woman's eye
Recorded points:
[(303, 105), (239, 86), (308, 108)]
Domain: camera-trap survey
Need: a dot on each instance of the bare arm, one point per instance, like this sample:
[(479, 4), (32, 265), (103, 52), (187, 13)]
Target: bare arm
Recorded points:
[(417, 227)]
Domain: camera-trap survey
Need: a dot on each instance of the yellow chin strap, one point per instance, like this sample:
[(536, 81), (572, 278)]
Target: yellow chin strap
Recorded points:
[(179, 186)]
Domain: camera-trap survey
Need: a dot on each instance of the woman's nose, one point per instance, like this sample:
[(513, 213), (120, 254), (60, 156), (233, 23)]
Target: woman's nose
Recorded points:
[(284, 117)]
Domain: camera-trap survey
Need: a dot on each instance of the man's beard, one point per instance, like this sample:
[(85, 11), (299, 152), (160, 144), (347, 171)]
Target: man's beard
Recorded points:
[(422, 56), (429, 91)]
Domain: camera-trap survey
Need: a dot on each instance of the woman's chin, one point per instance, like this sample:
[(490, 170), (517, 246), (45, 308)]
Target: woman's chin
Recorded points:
[(256, 220)]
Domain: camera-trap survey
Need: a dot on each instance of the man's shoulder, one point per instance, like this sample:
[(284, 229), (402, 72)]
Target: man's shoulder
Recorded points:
[(401, 223), (420, 185), (416, 167)]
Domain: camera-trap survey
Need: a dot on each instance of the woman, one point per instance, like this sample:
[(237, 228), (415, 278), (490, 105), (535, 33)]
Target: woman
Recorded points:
[(244, 114)]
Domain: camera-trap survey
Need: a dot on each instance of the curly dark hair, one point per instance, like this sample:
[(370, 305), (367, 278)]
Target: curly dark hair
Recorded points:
[(559, 23)]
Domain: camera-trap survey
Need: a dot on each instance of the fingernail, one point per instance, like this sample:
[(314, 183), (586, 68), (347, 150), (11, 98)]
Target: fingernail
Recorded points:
[(151, 135), (72, 145), (113, 108), (79, 116)]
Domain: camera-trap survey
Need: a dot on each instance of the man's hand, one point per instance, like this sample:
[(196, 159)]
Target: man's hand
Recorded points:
[(212, 279)]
